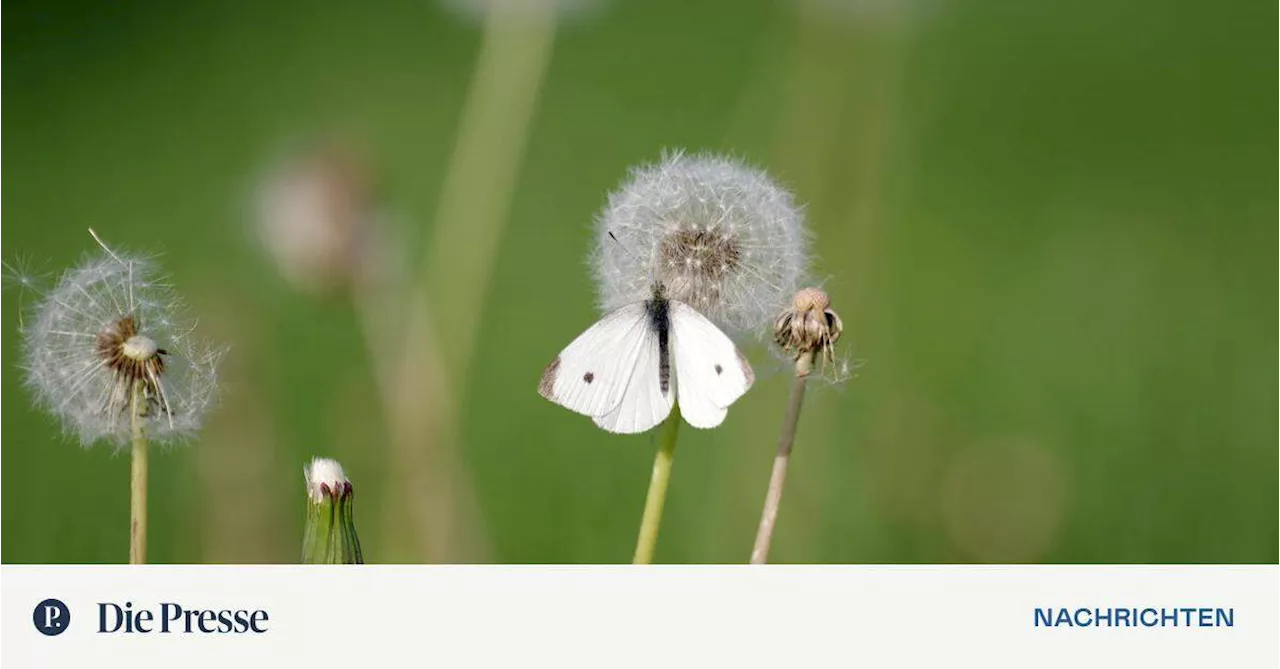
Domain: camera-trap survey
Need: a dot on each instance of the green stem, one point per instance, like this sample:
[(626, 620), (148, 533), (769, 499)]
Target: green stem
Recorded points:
[(653, 502), (330, 533), (472, 212), (778, 478), (138, 480), (475, 199)]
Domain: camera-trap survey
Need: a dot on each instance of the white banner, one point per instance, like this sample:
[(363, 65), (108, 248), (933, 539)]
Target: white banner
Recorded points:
[(779, 617)]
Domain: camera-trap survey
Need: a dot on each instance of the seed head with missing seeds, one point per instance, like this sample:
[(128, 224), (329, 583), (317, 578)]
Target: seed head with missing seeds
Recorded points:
[(109, 326), (722, 237), (809, 326)]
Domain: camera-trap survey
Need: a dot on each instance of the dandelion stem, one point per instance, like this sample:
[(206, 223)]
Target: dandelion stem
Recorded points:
[(764, 536), (138, 480), (648, 539)]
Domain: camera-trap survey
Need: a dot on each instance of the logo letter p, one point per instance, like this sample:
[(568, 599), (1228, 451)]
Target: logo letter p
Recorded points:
[(51, 617), (52, 613)]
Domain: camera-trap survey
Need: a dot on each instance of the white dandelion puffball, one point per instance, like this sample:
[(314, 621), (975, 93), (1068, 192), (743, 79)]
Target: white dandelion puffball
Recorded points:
[(722, 237), (105, 342)]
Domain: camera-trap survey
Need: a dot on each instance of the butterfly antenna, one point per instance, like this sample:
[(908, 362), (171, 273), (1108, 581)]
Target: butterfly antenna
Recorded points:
[(654, 277), (624, 246)]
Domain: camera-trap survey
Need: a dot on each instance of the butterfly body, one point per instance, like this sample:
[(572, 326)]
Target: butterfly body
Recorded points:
[(659, 310), (627, 370)]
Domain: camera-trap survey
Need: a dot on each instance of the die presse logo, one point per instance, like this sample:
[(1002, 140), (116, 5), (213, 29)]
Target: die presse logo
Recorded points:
[(52, 617), (171, 618)]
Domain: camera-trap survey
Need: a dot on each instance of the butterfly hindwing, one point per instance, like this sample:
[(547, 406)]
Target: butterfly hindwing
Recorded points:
[(710, 371), (592, 374)]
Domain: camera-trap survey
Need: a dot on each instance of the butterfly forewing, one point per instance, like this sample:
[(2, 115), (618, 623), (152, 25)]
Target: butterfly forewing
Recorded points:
[(710, 371), (644, 404), (592, 374)]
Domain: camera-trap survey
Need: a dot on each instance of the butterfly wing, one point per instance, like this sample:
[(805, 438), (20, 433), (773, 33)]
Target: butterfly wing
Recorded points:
[(592, 374), (710, 371), (643, 405)]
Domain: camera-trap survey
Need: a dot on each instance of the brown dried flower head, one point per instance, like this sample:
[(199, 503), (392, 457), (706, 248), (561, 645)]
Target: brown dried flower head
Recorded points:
[(809, 328)]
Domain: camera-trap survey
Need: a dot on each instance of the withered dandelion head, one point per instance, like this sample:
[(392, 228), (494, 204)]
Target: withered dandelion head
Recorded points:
[(809, 327), (722, 237), (108, 332)]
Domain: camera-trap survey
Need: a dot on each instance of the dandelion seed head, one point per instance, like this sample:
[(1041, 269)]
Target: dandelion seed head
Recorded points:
[(106, 328), (721, 236)]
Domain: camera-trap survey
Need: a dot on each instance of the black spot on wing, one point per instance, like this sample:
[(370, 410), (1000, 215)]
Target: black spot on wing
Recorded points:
[(719, 370), (589, 377)]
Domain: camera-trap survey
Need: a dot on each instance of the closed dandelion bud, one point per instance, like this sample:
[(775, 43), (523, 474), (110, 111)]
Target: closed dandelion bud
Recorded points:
[(808, 329), (106, 353), (722, 237), (330, 533)]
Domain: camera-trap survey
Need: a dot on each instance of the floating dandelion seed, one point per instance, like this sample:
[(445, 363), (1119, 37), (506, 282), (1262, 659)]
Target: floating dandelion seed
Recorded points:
[(20, 274), (723, 237), (109, 329)]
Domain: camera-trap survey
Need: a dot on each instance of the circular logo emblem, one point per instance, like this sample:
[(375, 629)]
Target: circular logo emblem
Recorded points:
[(51, 617)]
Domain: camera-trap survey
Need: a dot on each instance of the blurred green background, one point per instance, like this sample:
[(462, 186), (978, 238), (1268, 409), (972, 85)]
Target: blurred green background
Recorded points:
[(1046, 226)]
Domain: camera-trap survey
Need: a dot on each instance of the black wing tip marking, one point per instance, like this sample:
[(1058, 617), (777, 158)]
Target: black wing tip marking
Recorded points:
[(548, 382)]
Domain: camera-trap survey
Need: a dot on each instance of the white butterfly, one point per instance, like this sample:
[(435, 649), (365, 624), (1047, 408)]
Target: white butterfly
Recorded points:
[(619, 370)]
